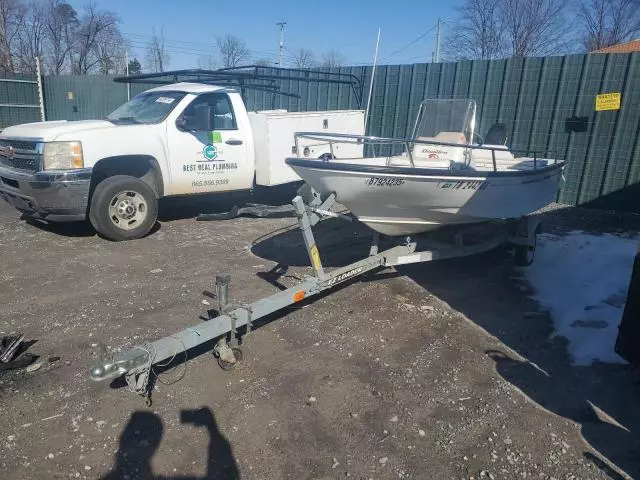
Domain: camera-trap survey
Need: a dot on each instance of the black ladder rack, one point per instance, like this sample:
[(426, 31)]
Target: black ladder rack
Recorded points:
[(253, 77)]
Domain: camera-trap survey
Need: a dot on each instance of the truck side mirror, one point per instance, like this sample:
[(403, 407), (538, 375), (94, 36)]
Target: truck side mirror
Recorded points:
[(199, 121)]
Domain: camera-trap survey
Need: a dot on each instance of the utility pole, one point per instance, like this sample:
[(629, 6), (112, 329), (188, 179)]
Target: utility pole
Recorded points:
[(281, 25), (437, 54), (126, 69), (40, 90)]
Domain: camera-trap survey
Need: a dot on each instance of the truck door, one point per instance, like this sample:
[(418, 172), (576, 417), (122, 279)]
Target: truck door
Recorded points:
[(212, 160)]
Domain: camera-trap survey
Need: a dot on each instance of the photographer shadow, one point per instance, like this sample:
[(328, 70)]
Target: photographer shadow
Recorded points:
[(141, 438)]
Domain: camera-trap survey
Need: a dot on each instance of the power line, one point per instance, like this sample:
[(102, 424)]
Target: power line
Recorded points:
[(141, 44), (179, 49), (293, 56), (168, 40), (195, 46), (197, 49), (415, 40)]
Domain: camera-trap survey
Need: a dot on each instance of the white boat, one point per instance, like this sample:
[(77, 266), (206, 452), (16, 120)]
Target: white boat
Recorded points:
[(445, 174)]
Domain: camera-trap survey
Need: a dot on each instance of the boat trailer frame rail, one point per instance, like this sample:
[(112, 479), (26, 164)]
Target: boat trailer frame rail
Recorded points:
[(332, 138), (235, 321)]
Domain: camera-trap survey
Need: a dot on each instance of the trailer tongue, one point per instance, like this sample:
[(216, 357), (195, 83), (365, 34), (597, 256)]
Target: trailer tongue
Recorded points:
[(235, 321)]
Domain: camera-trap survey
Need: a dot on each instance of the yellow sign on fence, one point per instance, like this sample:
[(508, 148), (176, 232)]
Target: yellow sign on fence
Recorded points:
[(608, 101)]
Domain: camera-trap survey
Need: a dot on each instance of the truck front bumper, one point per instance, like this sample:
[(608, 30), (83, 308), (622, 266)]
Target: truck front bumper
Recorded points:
[(56, 196)]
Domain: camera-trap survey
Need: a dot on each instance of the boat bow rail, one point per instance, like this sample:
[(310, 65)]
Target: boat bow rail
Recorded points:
[(391, 148)]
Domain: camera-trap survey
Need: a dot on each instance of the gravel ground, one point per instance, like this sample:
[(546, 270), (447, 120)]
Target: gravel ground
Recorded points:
[(431, 371)]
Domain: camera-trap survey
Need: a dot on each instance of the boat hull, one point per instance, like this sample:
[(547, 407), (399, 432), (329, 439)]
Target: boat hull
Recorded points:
[(404, 201)]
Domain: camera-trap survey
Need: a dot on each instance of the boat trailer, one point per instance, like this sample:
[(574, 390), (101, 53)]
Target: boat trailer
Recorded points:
[(233, 322)]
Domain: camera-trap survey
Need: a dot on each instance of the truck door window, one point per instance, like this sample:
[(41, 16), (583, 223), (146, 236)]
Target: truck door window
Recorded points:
[(222, 117)]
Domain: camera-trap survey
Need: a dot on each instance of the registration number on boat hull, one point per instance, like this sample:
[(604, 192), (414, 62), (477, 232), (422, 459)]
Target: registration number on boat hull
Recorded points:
[(383, 182), (464, 185)]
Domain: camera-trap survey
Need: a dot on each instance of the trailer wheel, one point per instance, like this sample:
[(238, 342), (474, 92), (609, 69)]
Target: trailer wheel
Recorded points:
[(123, 208), (524, 254), (237, 353)]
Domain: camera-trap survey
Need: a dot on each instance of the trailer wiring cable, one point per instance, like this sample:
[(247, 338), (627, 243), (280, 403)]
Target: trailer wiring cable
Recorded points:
[(148, 367), (168, 362)]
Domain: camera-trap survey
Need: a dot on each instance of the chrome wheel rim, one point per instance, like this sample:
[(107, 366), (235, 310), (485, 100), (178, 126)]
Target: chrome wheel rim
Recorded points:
[(128, 210)]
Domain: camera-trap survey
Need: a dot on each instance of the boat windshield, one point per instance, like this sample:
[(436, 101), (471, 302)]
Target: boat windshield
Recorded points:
[(446, 120)]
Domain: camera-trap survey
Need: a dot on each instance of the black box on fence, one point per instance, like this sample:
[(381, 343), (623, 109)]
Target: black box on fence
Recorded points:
[(628, 343)]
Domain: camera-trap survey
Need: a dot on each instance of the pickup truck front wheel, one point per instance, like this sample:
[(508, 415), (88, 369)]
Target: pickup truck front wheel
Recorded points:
[(123, 208)]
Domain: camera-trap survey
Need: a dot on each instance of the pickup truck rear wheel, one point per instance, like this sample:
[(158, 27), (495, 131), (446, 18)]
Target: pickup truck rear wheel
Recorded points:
[(123, 208)]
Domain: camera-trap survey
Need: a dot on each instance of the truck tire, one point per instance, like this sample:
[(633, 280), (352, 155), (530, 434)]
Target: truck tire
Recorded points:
[(123, 208)]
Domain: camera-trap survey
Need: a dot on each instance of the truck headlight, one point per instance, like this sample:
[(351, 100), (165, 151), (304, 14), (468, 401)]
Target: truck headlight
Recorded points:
[(62, 155)]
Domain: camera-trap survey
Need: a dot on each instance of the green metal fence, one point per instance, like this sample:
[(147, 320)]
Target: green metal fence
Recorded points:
[(19, 100), (81, 97), (548, 104)]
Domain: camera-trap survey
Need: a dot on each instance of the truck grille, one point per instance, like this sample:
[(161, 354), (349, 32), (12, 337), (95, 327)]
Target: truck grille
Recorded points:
[(18, 144), (20, 154)]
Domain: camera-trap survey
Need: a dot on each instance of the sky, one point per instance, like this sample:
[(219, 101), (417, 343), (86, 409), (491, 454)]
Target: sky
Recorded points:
[(348, 26)]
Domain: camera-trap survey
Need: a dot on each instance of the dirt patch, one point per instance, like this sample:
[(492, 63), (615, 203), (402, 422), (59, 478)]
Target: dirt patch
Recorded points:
[(433, 371)]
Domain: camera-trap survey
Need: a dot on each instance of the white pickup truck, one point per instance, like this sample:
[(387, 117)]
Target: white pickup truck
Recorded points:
[(179, 139)]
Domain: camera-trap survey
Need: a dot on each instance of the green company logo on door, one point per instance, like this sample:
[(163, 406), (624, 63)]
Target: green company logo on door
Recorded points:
[(210, 152)]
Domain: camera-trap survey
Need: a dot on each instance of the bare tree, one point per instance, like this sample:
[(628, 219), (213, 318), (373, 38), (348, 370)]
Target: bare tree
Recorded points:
[(157, 56), (304, 58), (12, 13), (233, 51), (31, 39), (264, 62), (477, 34), (517, 28), (608, 22), (61, 22), (534, 28), (332, 59), (111, 50), (94, 22), (207, 62)]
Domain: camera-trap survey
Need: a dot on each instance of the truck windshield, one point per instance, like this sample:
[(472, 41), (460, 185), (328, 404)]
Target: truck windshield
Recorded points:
[(149, 107)]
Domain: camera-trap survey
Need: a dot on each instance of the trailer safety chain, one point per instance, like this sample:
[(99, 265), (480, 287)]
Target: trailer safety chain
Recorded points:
[(234, 330), (139, 383), (249, 319)]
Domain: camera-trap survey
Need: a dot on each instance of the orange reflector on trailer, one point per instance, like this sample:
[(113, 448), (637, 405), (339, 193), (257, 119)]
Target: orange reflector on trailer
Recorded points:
[(299, 295)]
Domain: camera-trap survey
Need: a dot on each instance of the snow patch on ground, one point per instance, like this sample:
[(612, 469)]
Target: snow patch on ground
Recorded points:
[(582, 279)]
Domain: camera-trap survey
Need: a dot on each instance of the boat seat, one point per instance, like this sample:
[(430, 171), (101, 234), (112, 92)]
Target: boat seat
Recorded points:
[(497, 134), (483, 160)]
